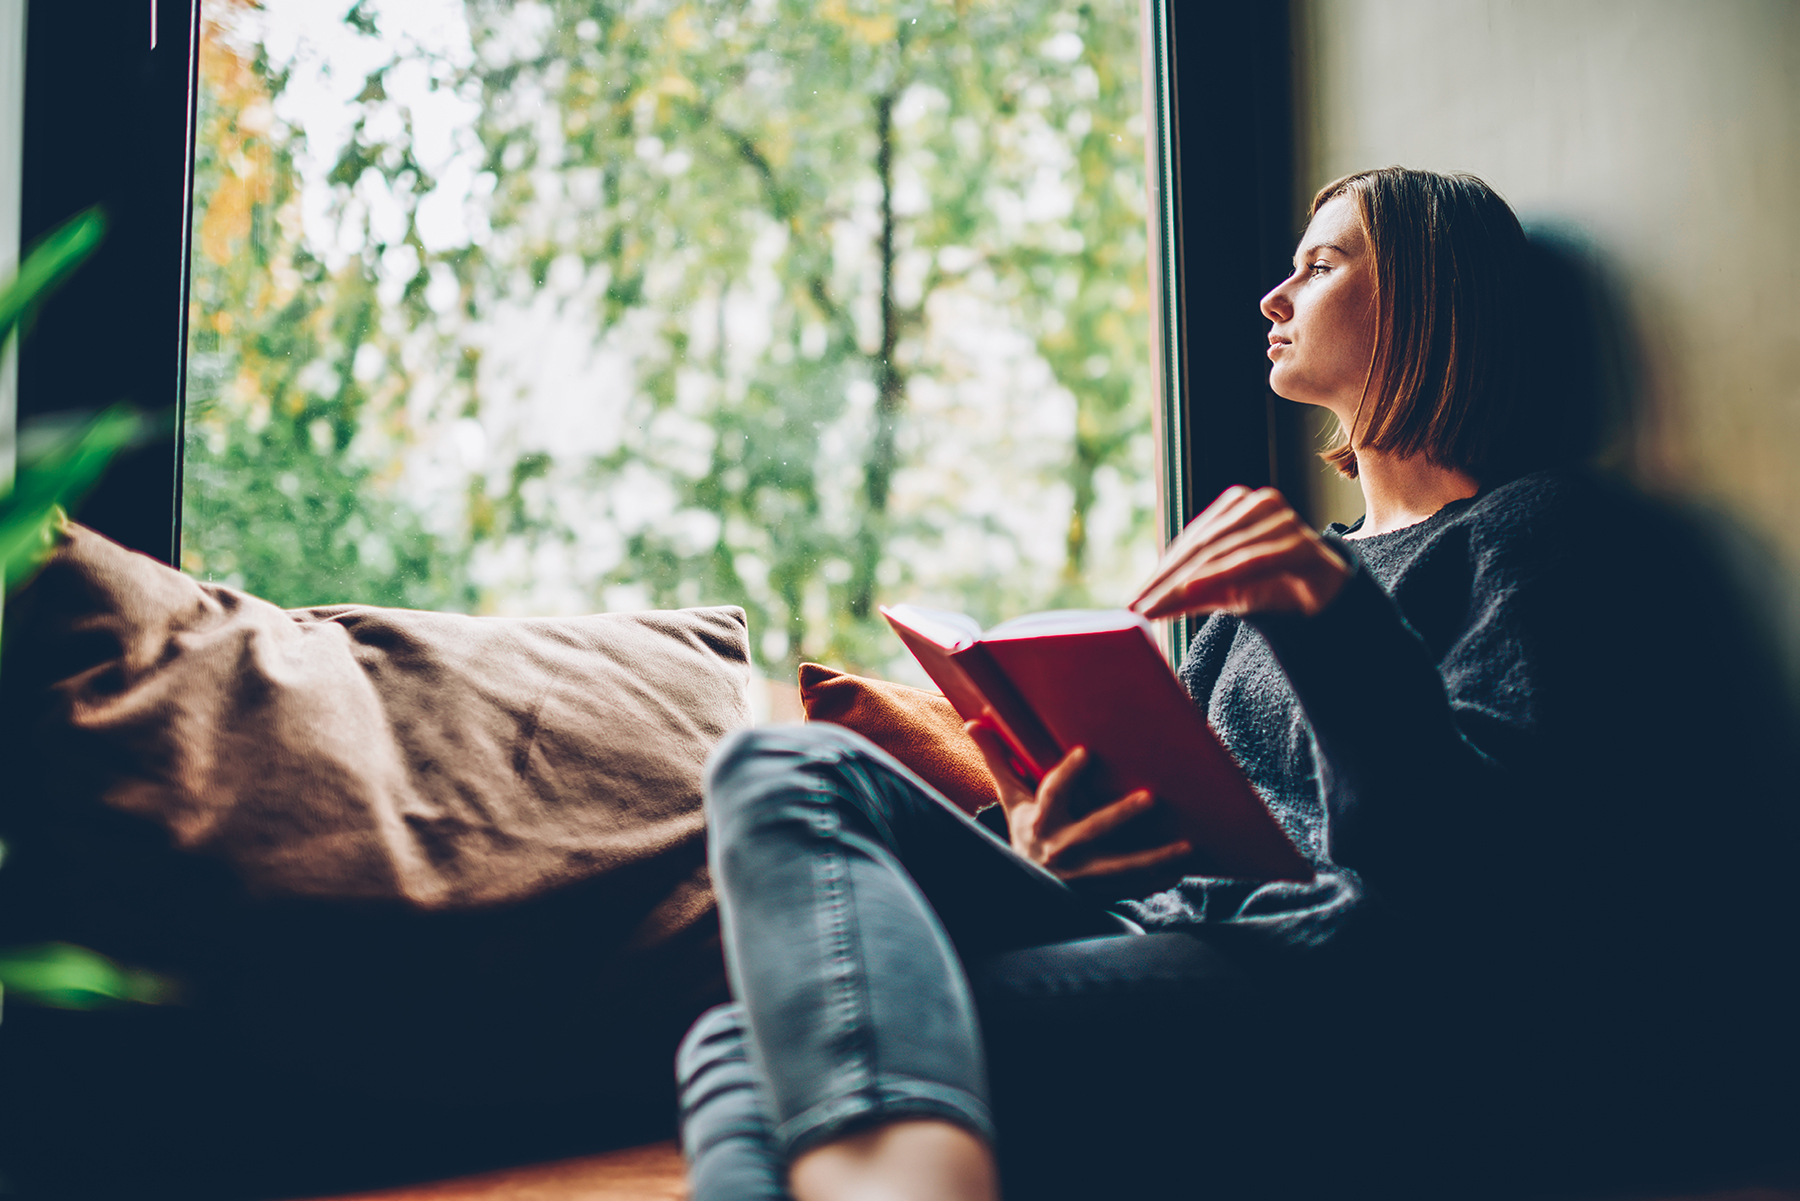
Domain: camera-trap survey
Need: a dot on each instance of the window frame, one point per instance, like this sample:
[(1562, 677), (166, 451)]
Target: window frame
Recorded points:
[(109, 121)]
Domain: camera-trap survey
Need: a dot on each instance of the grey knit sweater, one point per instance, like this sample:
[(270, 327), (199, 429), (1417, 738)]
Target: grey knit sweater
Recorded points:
[(1491, 733)]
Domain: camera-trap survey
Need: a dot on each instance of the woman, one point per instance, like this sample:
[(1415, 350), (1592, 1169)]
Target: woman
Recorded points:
[(1414, 698)]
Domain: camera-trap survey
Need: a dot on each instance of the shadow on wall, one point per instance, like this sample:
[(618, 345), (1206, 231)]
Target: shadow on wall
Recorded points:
[(1591, 384), (1587, 379)]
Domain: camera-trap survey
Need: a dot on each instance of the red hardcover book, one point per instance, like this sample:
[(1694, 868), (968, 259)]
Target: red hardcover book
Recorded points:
[(1094, 678)]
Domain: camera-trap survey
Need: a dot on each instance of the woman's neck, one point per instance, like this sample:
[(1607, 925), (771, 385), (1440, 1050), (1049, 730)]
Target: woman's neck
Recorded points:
[(1398, 492)]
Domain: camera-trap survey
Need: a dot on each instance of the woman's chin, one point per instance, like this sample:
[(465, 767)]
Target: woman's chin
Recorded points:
[(1296, 392), (1291, 392)]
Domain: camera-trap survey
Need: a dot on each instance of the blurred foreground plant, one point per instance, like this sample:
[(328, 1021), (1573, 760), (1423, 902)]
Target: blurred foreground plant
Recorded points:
[(70, 977), (48, 480), (49, 476)]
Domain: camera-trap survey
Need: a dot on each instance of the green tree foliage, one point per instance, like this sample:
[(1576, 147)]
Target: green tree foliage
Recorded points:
[(871, 181), (274, 498)]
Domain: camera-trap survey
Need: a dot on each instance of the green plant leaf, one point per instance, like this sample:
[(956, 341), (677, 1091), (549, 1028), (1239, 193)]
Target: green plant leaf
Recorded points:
[(55, 479), (50, 263), (62, 976), (28, 508)]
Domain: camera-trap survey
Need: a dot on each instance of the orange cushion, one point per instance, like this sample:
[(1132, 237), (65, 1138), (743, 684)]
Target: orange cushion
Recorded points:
[(917, 727)]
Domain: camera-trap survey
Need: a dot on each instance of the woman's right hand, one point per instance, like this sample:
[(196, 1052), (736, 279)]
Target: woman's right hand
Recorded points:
[(1039, 820), (1249, 552)]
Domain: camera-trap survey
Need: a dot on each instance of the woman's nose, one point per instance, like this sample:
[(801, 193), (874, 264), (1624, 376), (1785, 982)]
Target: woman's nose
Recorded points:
[(1275, 305)]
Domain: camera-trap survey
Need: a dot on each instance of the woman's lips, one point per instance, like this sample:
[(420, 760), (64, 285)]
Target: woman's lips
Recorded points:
[(1277, 344)]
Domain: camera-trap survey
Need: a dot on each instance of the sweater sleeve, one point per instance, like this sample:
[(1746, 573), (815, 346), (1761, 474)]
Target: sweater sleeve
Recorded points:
[(1414, 749)]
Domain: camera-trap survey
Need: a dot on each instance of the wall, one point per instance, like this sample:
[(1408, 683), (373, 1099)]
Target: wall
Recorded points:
[(1668, 132)]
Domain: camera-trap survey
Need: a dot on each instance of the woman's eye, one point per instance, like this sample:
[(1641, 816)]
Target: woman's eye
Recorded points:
[(1318, 268)]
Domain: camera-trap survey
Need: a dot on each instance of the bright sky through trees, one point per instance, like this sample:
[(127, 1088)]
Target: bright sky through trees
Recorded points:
[(551, 307)]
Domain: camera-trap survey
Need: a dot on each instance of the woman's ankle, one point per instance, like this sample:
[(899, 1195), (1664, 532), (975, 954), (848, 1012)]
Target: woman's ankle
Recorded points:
[(921, 1159)]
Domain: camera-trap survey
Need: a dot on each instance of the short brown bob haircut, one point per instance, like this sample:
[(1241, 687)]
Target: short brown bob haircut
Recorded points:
[(1450, 262)]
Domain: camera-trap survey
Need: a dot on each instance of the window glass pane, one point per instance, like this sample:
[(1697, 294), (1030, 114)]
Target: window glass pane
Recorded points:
[(556, 307)]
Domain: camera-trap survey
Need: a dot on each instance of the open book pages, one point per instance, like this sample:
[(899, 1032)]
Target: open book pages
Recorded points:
[(955, 630), (1070, 621), (948, 630)]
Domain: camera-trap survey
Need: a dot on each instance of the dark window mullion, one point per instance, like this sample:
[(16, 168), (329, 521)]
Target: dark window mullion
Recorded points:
[(1223, 227), (107, 121)]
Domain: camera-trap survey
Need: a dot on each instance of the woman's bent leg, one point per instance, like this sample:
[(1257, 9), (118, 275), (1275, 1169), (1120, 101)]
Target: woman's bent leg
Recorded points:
[(825, 852), (858, 1009), (724, 1129), (1138, 1067)]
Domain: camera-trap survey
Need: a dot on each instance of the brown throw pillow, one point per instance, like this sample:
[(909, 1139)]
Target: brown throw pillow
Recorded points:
[(354, 752), (919, 728)]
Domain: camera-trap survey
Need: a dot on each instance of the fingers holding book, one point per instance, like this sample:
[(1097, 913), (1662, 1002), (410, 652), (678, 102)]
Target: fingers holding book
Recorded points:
[(1044, 829), (1249, 552), (1008, 783), (1073, 855)]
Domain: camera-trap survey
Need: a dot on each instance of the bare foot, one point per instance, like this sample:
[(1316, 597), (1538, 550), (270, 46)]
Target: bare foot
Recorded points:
[(912, 1160)]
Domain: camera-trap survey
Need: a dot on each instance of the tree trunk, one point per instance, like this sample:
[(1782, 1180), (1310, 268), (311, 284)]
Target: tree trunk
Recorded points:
[(890, 385)]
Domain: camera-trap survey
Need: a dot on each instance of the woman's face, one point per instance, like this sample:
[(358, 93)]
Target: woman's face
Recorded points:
[(1322, 317)]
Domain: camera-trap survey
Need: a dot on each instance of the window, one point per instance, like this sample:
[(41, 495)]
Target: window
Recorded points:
[(558, 307)]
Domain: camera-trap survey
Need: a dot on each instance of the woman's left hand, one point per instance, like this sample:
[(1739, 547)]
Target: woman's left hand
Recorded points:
[(1042, 827), (1249, 552)]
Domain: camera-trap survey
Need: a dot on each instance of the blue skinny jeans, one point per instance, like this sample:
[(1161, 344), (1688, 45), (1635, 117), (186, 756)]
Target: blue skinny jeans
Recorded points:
[(891, 958)]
